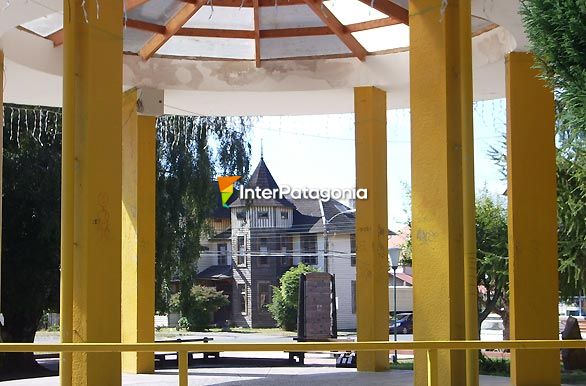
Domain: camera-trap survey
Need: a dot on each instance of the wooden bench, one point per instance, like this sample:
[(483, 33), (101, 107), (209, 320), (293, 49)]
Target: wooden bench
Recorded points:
[(299, 357), (161, 357)]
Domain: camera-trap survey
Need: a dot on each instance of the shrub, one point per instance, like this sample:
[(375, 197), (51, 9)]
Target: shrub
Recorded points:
[(285, 297), (203, 302), (183, 323)]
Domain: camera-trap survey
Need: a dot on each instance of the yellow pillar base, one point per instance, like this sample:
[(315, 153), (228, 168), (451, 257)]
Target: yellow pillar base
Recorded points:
[(92, 149), (532, 221), (372, 265), (436, 72), (138, 234)]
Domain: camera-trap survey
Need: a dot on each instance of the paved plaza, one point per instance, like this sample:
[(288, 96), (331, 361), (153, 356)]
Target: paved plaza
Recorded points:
[(265, 376)]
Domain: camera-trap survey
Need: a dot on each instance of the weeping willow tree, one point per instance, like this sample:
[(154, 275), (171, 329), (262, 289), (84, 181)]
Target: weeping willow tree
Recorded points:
[(30, 226), (192, 151), (557, 33)]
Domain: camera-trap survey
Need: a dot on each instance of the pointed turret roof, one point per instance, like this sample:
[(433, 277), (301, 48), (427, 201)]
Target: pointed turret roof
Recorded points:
[(263, 179)]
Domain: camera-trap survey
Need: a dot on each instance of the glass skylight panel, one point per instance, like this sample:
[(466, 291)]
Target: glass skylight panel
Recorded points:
[(302, 46), (384, 38), (353, 11), (290, 16), (156, 11), (208, 47), (45, 25), (233, 18), (135, 39)]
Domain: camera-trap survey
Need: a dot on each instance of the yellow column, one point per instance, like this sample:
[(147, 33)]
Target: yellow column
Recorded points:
[(372, 265), (92, 163), (533, 270), (468, 194), (1, 161), (436, 155), (138, 234)]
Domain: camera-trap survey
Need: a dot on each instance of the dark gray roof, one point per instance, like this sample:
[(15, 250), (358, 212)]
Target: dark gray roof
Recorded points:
[(336, 219), (216, 272), (263, 179), (307, 216), (225, 235)]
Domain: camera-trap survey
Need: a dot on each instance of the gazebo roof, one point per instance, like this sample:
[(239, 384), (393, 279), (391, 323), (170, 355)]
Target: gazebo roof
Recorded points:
[(229, 57), (257, 30)]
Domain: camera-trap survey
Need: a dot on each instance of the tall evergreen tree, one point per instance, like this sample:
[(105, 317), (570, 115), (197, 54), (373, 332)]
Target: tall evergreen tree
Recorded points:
[(557, 34)]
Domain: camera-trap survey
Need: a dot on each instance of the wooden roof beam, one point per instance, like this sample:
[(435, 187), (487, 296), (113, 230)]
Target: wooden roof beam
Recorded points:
[(256, 10), (264, 33), (329, 19), (250, 3), (171, 28), (390, 9)]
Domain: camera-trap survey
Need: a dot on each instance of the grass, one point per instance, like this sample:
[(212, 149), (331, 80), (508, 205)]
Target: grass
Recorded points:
[(237, 330), (576, 377), (402, 365)]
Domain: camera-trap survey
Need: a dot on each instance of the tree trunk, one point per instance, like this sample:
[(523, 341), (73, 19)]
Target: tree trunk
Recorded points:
[(504, 314), (16, 364)]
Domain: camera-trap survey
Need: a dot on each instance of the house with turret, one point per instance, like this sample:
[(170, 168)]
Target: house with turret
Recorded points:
[(256, 240)]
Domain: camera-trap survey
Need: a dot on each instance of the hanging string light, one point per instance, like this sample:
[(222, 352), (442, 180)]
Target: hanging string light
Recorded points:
[(36, 122)]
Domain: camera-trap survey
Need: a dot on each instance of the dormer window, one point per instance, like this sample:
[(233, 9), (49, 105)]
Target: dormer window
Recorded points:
[(241, 215), (284, 215), (263, 214)]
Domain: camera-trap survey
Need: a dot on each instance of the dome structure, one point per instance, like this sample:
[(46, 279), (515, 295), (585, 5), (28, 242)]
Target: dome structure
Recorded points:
[(258, 30), (253, 57)]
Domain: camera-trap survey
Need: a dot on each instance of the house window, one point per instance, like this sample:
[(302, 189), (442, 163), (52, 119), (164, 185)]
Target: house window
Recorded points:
[(353, 250), (222, 254), (263, 214), (284, 215), (309, 249), (241, 215), (263, 259), (353, 295), (286, 251), (240, 258), (243, 299), (264, 295)]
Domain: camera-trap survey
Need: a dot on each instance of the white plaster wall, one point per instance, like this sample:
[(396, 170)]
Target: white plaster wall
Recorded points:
[(345, 273)]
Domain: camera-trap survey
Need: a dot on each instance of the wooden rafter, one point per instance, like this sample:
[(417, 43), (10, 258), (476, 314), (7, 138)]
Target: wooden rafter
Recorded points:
[(329, 19), (264, 33), (57, 36), (390, 9), (256, 32), (174, 25), (250, 3)]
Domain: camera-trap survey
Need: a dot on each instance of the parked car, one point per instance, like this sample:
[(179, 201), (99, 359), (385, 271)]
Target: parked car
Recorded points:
[(404, 324)]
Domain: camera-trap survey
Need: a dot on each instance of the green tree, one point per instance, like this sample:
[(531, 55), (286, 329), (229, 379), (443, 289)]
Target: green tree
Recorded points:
[(203, 302), (30, 226), (284, 306), (557, 33), (492, 257), (192, 151)]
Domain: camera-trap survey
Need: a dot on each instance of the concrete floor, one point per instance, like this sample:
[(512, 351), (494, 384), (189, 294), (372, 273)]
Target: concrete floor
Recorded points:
[(278, 376)]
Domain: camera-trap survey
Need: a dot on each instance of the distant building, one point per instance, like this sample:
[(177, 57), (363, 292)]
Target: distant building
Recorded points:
[(256, 241)]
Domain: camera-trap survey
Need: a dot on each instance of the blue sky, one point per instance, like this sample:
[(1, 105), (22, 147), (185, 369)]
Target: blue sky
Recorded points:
[(318, 152)]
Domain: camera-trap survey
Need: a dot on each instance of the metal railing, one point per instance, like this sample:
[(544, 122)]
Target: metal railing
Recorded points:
[(183, 349)]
